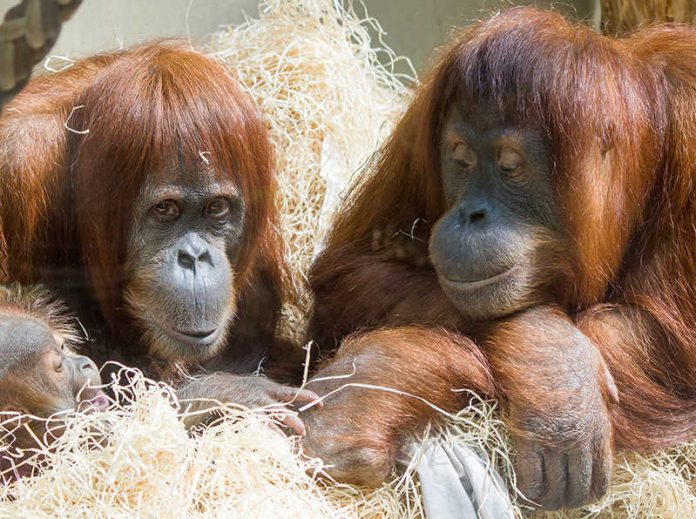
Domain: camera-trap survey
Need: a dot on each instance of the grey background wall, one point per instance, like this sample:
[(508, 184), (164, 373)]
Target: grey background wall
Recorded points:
[(413, 27), (106, 24)]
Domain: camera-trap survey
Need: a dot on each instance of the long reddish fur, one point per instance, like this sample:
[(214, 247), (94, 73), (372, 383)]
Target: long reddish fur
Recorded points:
[(138, 110), (394, 395), (620, 117)]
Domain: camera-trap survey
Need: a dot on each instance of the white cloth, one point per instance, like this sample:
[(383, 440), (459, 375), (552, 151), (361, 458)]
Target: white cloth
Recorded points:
[(457, 481)]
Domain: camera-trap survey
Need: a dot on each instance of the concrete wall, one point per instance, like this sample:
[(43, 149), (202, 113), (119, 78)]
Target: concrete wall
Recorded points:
[(413, 27)]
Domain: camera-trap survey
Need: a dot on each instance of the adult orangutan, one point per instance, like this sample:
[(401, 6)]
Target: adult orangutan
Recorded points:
[(528, 233), (138, 185)]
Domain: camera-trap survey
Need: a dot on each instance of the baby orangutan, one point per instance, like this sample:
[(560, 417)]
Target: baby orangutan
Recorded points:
[(40, 375)]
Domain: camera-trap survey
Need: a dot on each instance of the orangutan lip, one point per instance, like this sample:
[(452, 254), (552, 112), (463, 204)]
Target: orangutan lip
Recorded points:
[(193, 338), (99, 402), (460, 285), (200, 335)]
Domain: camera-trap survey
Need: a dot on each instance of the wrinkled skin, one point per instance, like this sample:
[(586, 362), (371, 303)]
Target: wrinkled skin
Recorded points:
[(183, 255), (183, 251), (501, 221)]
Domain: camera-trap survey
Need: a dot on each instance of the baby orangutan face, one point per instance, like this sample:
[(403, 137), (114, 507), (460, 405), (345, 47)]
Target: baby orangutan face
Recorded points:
[(39, 375)]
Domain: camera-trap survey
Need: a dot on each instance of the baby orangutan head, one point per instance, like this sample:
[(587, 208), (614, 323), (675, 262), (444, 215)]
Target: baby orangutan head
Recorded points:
[(39, 374)]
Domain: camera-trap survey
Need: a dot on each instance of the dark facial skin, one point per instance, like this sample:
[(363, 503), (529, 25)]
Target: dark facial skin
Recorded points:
[(40, 376), (498, 250), (182, 258), (500, 218)]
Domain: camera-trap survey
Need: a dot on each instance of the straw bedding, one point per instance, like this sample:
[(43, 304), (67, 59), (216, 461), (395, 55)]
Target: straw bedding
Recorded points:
[(623, 16), (329, 100)]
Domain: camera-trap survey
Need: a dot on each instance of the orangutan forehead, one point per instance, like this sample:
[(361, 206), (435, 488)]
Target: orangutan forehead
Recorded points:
[(473, 123), (184, 184), (483, 115), (22, 339), (187, 176)]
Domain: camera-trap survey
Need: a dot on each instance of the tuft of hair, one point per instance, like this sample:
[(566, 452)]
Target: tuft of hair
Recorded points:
[(624, 16), (38, 302)]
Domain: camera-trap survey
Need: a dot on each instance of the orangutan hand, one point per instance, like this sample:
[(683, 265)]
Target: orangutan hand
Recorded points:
[(566, 461), (254, 392), (556, 389), (408, 247)]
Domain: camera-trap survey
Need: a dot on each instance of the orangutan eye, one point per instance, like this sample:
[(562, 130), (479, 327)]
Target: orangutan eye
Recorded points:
[(464, 155), (59, 366), (218, 208), (509, 159), (166, 211)]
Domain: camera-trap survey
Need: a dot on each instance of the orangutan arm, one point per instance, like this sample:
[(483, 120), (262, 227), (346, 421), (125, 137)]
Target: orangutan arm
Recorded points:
[(654, 372), (362, 291), (360, 429), (556, 390)]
